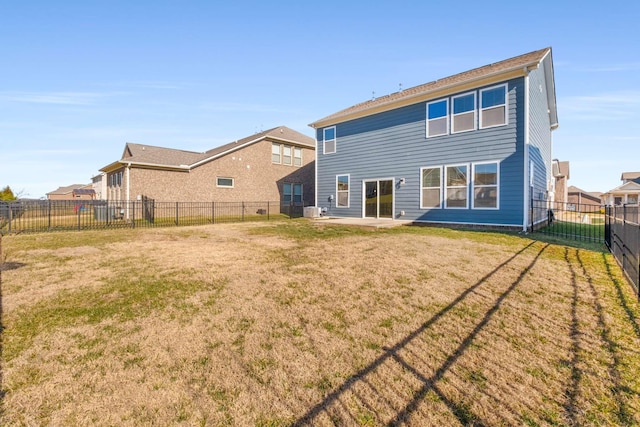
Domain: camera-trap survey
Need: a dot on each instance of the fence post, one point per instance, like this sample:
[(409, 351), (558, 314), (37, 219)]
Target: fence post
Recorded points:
[(79, 206), (268, 211), (49, 214), (177, 217), (10, 216), (133, 214), (242, 211), (213, 212)]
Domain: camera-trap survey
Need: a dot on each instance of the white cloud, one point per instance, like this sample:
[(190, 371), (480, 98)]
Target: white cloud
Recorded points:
[(601, 107)]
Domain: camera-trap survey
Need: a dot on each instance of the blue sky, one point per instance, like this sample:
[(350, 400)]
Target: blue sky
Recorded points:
[(79, 79)]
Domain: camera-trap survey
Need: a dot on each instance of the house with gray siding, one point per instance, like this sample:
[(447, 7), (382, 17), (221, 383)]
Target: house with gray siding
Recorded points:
[(472, 149)]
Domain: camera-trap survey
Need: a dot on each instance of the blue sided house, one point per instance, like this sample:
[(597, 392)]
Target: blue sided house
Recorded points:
[(472, 149)]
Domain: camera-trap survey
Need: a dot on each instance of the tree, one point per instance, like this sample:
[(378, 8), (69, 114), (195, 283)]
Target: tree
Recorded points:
[(7, 195)]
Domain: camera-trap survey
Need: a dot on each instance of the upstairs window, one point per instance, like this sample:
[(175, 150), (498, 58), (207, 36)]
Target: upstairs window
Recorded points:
[(275, 153), (437, 118), (464, 113), (297, 156), (457, 183), (224, 182), (493, 106), (342, 191), (286, 155), (485, 185), (329, 140)]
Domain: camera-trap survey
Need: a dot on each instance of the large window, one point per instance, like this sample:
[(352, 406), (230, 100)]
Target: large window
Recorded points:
[(224, 182), (457, 183), (485, 185), (493, 106), (292, 192), (437, 118), (286, 155), (275, 153), (431, 196), (464, 113), (329, 139), (297, 156), (342, 191)]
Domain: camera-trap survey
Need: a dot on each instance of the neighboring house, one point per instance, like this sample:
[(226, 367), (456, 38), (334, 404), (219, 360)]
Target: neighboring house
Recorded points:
[(473, 148), (99, 185), (626, 193), (274, 165), (577, 196), (560, 172), (73, 192)]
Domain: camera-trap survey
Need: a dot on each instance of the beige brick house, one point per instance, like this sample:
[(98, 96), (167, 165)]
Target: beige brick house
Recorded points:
[(73, 192), (274, 165)]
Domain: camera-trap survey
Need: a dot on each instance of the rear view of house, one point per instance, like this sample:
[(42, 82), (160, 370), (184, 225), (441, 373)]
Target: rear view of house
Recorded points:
[(473, 148), (277, 164)]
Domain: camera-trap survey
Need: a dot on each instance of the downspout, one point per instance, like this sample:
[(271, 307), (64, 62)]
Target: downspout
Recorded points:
[(128, 188), (527, 197)]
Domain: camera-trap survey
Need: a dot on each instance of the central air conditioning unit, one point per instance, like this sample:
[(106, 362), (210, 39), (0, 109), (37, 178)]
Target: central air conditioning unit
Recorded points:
[(312, 212)]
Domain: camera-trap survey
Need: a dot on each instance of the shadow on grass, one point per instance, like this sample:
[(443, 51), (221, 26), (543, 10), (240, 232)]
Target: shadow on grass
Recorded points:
[(622, 299), (428, 382), (2, 267), (623, 413)]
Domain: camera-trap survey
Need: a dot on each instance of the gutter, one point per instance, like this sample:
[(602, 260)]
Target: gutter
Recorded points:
[(527, 206)]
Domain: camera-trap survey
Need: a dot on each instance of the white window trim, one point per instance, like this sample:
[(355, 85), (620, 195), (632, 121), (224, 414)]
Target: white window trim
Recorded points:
[(233, 182), (324, 140), (475, 112), (347, 191), (422, 188), (279, 162), (473, 185), (294, 156), (447, 116), (506, 106), (284, 147), (445, 186)]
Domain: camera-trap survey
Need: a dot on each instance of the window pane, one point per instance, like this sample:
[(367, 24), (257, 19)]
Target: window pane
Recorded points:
[(457, 197), (330, 147), (464, 103), (486, 174), (437, 109), (297, 156), (485, 197), (329, 133), (225, 182), (343, 198), (456, 176), (493, 97), (431, 177), (493, 116), (438, 127), (431, 198), (343, 183), (464, 122)]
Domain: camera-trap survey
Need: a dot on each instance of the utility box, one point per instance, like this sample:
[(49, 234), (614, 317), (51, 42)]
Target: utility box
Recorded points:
[(312, 212)]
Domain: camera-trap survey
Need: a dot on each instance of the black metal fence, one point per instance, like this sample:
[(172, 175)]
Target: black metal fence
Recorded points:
[(569, 220), (622, 236), (61, 215)]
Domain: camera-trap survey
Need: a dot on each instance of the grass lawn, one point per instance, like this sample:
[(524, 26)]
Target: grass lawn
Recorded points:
[(301, 323)]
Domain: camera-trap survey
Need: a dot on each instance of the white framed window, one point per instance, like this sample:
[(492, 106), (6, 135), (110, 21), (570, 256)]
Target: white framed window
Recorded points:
[(463, 117), (297, 156), (224, 182), (329, 140), (486, 186), (457, 186), (275, 153), (431, 187), (286, 155), (493, 106), (437, 118), (342, 191)]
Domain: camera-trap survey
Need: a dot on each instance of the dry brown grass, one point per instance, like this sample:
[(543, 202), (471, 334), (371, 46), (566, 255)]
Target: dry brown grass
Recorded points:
[(302, 324)]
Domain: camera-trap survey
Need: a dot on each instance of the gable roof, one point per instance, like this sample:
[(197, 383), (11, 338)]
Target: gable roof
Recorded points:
[(173, 159), (627, 187), (69, 189), (630, 176), (502, 70)]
